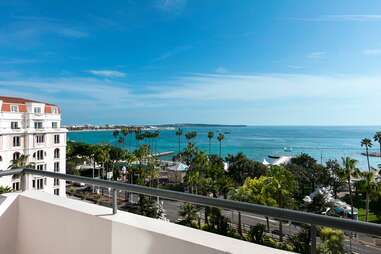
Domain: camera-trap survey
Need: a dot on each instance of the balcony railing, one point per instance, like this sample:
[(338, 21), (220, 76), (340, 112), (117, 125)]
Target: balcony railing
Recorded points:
[(273, 212)]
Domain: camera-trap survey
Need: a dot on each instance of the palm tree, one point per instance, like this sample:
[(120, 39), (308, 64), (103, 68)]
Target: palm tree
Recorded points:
[(220, 138), (188, 214), (377, 138), (349, 171), (179, 133), (210, 136), (190, 135), (20, 162), (367, 143), (102, 155), (125, 133), (368, 185)]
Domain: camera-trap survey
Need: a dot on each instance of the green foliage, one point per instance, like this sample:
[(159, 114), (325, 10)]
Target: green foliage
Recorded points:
[(188, 215), (146, 207), (5, 189), (301, 241), (332, 241), (256, 233), (240, 168)]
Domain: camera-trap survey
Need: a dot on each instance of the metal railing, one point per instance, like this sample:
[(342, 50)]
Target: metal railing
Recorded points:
[(272, 212)]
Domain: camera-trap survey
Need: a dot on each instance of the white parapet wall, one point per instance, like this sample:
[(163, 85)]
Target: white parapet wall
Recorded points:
[(37, 222)]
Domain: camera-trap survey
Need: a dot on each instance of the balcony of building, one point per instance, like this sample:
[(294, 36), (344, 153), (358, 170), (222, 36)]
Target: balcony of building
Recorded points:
[(37, 222)]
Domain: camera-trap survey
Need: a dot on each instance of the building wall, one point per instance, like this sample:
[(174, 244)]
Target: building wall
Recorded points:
[(26, 118)]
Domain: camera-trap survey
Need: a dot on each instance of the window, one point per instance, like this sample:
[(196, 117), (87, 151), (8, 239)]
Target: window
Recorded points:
[(54, 125), (37, 110), (14, 108), (56, 139), (56, 182), (38, 125), (57, 192), (41, 167), (40, 139), (16, 186), (54, 110), (38, 184), (56, 153), (56, 167), (40, 155), (16, 155), (16, 141), (14, 125)]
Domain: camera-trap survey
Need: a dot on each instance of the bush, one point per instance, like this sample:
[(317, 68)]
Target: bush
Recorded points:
[(331, 241), (255, 233), (5, 189)]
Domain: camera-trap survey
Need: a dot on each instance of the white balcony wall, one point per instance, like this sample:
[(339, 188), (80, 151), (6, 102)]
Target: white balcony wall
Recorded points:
[(46, 224)]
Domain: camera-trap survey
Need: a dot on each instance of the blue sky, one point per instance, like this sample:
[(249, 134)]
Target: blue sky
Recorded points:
[(165, 61)]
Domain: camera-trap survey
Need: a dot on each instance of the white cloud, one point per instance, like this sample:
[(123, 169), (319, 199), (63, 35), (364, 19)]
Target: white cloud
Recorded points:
[(171, 6), (372, 52), (221, 70), (343, 18), (316, 55), (108, 73), (28, 31), (250, 88), (331, 99)]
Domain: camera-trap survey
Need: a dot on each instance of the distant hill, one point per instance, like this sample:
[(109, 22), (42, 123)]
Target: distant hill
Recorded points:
[(184, 125)]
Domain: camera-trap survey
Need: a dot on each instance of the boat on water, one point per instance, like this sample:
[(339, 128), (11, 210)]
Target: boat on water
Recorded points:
[(287, 149)]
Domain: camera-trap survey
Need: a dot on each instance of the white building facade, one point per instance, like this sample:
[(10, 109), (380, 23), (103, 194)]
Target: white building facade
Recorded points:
[(32, 129)]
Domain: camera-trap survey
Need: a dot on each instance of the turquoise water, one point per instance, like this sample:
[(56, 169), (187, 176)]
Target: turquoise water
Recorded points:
[(257, 143)]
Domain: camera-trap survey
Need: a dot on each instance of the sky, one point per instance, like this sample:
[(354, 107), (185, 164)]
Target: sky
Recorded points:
[(291, 62)]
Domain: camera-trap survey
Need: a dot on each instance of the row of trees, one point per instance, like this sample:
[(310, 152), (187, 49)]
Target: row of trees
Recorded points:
[(191, 135)]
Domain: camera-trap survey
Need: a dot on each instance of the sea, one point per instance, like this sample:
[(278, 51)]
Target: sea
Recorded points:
[(258, 142)]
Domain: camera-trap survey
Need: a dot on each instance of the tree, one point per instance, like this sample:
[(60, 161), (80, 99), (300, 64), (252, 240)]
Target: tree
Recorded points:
[(256, 233), (370, 187), (377, 138), (220, 138), (5, 189), (190, 135), (335, 173), (188, 215), (101, 156), (179, 133), (350, 170), (20, 162), (281, 185), (332, 241), (367, 143), (210, 136), (240, 168), (253, 190), (125, 132)]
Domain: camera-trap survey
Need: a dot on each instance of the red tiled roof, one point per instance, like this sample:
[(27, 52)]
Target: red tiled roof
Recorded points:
[(15, 100), (21, 102)]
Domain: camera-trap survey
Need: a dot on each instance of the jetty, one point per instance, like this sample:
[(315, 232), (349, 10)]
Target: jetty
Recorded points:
[(372, 154), (163, 154)]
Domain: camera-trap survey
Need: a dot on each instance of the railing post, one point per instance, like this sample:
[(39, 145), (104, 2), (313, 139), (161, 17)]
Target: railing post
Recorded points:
[(313, 239), (114, 201)]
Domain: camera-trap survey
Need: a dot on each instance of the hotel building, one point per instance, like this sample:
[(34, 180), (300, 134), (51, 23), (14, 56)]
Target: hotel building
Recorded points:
[(32, 129)]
